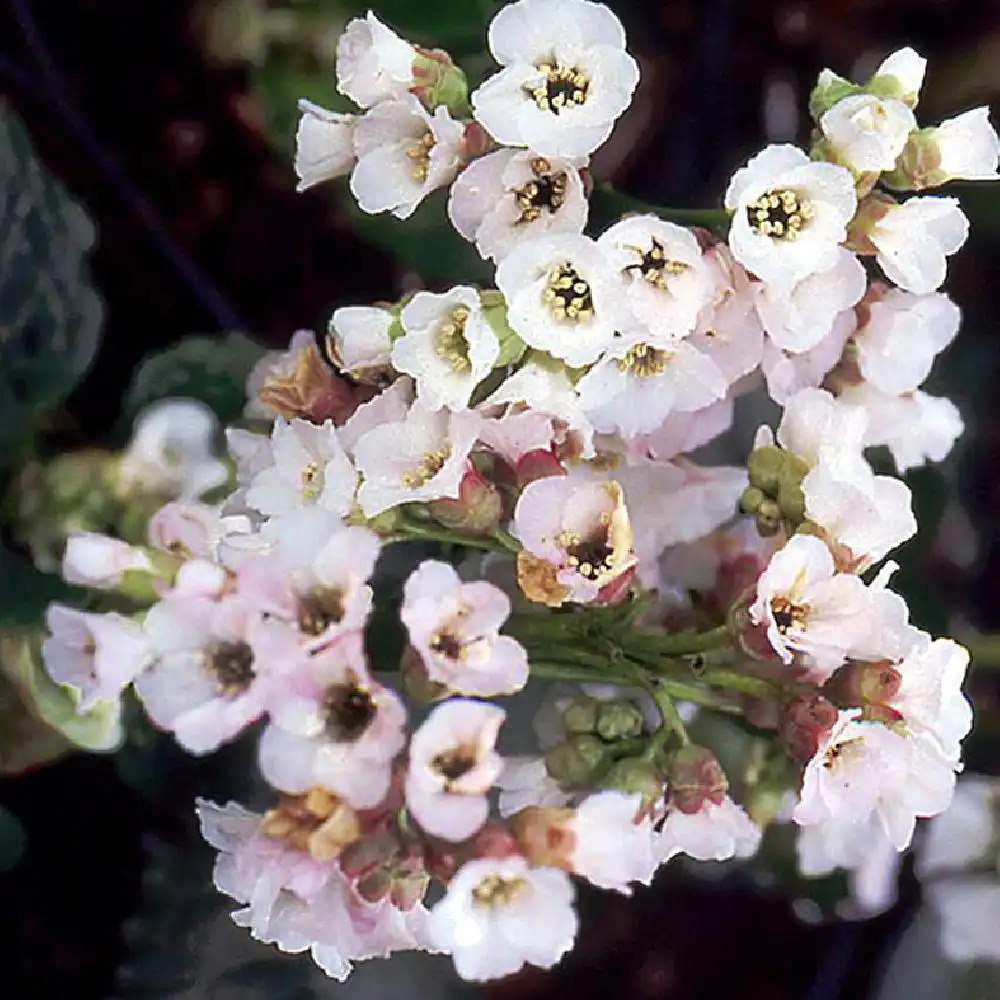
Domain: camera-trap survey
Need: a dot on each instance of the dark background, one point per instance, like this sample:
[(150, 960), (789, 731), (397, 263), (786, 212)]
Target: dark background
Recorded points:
[(180, 154)]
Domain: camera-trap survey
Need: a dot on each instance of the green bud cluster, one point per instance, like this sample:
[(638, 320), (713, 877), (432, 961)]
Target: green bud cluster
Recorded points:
[(775, 494), (595, 731)]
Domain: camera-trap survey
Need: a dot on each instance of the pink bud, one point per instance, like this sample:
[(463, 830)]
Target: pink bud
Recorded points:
[(804, 723), (538, 464), (476, 511), (695, 777)]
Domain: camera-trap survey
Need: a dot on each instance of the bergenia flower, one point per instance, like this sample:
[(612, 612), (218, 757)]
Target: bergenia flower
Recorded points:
[(566, 76), (452, 767), (324, 145), (99, 561), (499, 915), (373, 63), (511, 196), (454, 627)]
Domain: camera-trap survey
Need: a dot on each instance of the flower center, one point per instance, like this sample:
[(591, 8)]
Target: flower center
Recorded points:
[(429, 466), (567, 295), (348, 711), (454, 763), (837, 752), (495, 890), (779, 214), (786, 613), (312, 481), (561, 87), (320, 608), (420, 154), (231, 663), (590, 557), (547, 192), (448, 645), (654, 264), (450, 344), (644, 361)]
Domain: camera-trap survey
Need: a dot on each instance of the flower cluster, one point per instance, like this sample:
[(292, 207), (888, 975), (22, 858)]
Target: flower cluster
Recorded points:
[(543, 430)]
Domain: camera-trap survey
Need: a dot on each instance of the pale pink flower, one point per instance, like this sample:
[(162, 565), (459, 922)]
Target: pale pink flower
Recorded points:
[(99, 561), (716, 832), (454, 627), (612, 846), (452, 767)]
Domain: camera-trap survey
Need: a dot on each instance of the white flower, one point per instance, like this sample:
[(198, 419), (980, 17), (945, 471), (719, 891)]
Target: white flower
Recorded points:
[(967, 146), (867, 133), (807, 607), (578, 532), (790, 214), (334, 727), (99, 561), (901, 336), (611, 847), (404, 153), (359, 340), (916, 428), (907, 66), (313, 579), (448, 346), (865, 769), (716, 832), (930, 697), (95, 654), (562, 297), (566, 76), (453, 765), (642, 379), (870, 515), (547, 391), (511, 196), (813, 420), (684, 432), (373, 63), (309, 467), (912, 240), (787, 373), (454, 627), (525, 781), (390, 406), (171, 451), (969, 910), (499, 914), (421, 458), (324, 145), (207, 681), (801, 318), (667, 278)]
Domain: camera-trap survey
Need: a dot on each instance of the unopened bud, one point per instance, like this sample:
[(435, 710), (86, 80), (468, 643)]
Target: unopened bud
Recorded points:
[(695, 777), (764, 466), (477, 509), (792, 502), (575, 763), (864, 683), (544, 836), (581, 715), (438, 81), (830, 88), (538, 464), (804, 723), (375, 886), (368, 853), (619, 720), (751, 499), (632, 775), (494, 841), (768, 519)]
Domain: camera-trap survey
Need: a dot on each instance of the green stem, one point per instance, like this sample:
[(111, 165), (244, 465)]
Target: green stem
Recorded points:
[(549, 671), (644, 645), (431, 533), (732, 680), (673, 724), (609, 201), (680, 691)]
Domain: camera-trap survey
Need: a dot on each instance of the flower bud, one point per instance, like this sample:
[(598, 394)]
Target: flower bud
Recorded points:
[(750, 637), (477, 509), (574, 764), (619, 720), (830, 89), (375, 886), (581, 715), (494, 841), (99, 561), (804, 723), (751, 499), (764, 466), (864, 683), (695, 777), (632, 775), (438, 81), (792, 502), (368, 853), (768, 518), (544, 836), (537, 464)]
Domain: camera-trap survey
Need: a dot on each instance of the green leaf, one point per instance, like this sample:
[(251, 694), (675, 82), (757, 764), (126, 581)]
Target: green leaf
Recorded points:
[(13, 840), (213, 370), (50, 316)]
